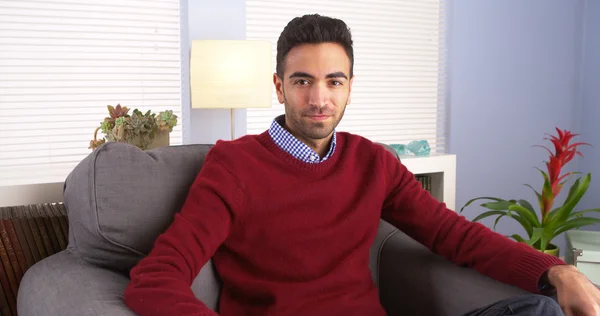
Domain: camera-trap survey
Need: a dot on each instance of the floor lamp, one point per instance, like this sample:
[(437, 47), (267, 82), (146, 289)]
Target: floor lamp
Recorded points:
[(231, 74)]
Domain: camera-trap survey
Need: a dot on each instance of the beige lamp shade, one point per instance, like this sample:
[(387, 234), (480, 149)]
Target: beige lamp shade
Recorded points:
[(231, 74)]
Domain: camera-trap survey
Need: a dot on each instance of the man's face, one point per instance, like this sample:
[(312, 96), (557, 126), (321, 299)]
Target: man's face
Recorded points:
[(315, 89)]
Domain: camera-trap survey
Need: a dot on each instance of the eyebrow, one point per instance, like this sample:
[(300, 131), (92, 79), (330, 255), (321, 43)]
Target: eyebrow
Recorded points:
[(300, 74)]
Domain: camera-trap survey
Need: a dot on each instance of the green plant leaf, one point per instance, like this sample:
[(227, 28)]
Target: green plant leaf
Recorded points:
[(502, 207), (565, 211), (580, 213), (539, 196), (547, 236), (525, 214), (497, 220), (538, 233), (575, 223), (529, 207), (525, 223), (488, 214), (547, 189), (518, 238), (480, 198), (552, 214), (572, 189), (498, 206)]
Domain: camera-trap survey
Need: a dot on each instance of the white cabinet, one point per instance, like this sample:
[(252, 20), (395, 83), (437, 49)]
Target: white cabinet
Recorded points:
[(442, 169)]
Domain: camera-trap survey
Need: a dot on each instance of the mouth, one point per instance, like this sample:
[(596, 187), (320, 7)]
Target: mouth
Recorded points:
[(318, 117)]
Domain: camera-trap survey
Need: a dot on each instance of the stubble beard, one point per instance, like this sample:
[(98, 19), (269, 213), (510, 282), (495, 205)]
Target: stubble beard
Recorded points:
[(316, 130)]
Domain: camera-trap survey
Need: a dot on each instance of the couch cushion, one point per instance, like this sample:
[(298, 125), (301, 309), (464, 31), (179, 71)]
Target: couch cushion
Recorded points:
[(120, 198), (64, 284)]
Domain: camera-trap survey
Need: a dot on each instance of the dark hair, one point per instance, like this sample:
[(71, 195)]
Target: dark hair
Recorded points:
[(313, 29)]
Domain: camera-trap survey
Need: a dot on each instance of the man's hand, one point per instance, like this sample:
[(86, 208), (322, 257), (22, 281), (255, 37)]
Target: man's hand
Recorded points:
[(577, 296)]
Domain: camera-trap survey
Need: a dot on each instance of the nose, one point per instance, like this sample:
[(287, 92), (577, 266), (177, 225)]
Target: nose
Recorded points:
[(318, 96)]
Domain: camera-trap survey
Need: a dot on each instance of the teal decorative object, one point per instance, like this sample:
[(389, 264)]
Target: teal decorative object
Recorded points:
[(419, 147), (401, 149)]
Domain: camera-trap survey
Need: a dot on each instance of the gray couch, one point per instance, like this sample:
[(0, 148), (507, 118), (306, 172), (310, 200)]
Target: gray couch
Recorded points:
[(120, 198)]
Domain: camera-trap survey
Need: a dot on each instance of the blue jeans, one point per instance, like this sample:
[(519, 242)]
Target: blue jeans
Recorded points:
[(523, 305)]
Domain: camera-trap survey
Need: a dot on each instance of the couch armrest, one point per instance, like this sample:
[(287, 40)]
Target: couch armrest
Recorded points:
[(63, 284), (415, 281)]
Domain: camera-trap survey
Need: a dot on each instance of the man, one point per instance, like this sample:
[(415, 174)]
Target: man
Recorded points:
[(289, 215)]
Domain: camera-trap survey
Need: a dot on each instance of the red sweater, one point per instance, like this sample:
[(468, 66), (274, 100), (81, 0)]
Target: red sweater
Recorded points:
[(291, 238)]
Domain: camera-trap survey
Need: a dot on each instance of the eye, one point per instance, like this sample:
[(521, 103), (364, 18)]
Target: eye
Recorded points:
[(336, 83), (301, 82)]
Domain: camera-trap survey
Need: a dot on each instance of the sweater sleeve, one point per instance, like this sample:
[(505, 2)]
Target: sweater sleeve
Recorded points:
[(415, 212), (160, 283)]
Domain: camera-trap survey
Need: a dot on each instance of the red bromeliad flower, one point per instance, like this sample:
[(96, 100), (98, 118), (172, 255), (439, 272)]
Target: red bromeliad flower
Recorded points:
[(563, 153), (541, 231)]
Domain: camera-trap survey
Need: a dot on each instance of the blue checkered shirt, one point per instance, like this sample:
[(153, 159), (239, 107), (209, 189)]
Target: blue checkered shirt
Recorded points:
[(295, 147)]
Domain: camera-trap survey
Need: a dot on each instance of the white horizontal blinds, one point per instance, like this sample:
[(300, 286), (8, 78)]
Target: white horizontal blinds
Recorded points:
[(398, 91), (63, 61)]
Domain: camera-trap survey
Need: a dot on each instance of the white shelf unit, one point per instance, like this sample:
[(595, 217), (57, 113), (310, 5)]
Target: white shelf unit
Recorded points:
[(31, 194), (442, 169)]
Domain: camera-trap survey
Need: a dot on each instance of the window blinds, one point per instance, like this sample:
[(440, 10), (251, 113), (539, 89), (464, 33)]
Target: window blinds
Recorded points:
[(398, 92), (63, 61)]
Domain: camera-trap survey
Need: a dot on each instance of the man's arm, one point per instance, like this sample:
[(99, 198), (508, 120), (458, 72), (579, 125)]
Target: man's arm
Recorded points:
[(414, 211), (160, 283)]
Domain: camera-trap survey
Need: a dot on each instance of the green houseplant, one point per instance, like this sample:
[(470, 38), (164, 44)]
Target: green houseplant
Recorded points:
[(144, 130), (541, 230)]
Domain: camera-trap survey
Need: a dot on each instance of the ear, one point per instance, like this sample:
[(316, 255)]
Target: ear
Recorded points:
[(278, 88), (350, 90)]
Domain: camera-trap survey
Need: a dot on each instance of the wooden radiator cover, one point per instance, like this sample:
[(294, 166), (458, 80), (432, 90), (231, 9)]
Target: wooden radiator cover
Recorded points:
[(28, 234)]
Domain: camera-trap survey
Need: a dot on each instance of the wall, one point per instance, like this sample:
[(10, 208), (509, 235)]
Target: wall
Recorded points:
[(590, 103), (212, 20), (514, 75)]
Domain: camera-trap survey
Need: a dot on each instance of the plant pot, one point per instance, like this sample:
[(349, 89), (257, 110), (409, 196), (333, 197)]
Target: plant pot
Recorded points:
[(160, 139), (552, 250)]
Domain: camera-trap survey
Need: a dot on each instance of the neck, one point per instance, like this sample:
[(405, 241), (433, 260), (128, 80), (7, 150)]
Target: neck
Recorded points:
[(320, 146)]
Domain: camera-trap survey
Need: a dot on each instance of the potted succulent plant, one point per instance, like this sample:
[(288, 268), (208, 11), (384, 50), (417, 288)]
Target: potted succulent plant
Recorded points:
[(144, 130), (541, 230)]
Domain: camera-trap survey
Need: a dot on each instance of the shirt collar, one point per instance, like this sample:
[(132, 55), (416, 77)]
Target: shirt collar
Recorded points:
[(293, 146)]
